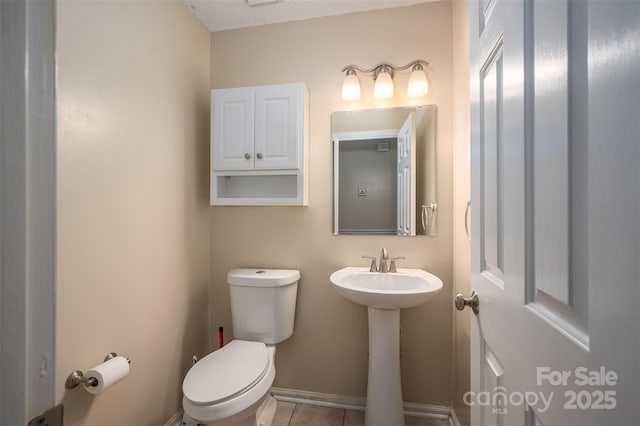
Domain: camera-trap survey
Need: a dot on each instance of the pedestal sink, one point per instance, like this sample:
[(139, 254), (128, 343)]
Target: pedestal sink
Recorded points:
[(385, 294)]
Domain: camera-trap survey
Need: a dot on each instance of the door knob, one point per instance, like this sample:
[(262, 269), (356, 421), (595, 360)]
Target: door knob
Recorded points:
[(473, 302), (247, 155)]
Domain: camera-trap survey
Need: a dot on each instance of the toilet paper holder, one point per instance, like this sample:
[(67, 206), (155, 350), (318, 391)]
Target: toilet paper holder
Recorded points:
[(77, 377)]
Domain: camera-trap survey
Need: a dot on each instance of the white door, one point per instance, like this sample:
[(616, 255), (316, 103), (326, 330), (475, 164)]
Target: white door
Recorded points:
[(278, 126), (28, 214), (406, 177), (232, 126), (555, 119)]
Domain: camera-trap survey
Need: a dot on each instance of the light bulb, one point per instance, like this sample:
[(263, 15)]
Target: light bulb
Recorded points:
[(351, 86), (383, 88), (418, 84)]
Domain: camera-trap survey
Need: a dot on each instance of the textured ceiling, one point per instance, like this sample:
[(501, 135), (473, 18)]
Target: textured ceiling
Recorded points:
[(229, 14)]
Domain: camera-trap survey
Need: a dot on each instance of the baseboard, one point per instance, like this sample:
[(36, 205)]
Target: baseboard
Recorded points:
[(426, 410), (356, 403), (316, 398), (346, 402), (176, 420)]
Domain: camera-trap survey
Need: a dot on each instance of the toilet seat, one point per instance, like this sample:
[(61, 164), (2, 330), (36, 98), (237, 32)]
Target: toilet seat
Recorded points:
[(226, 373)]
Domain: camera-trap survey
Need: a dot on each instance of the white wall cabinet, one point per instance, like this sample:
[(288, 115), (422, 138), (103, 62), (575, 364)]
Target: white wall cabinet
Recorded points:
[(259, 145)]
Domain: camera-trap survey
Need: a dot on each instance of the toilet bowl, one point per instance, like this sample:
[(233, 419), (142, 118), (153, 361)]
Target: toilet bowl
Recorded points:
[(231, 386)]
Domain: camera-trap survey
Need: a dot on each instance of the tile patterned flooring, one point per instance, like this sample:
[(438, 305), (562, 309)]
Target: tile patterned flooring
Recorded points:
[(290, 414)]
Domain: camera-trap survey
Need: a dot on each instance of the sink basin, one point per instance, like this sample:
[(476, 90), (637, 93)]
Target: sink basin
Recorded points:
[(391, 290)]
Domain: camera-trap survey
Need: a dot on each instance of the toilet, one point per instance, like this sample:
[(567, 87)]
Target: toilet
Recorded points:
[(231, 386)]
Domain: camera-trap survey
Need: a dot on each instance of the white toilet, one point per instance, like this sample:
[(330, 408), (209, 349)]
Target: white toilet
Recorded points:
[(231, 386)]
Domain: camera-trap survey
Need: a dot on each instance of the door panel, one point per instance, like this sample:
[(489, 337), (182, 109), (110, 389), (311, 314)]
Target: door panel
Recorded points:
[(277, 121), (232, 129), (491, 166), (557, 285), (550, 147), (492, 383)]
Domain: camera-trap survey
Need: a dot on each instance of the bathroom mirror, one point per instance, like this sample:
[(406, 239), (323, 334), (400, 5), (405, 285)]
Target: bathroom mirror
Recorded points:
[(384, 171)]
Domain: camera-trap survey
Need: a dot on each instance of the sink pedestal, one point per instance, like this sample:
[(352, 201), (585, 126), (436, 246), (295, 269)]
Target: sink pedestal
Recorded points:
[(385, 294), (384, 388)]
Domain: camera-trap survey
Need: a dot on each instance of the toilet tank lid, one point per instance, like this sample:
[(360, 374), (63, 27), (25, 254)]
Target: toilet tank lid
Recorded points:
[(248, 277)]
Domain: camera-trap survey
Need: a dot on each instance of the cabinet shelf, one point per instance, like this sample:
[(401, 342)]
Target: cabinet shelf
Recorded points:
[(258, 190)]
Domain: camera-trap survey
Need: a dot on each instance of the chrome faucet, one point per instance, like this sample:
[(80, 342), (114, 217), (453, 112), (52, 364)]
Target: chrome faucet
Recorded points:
[(384, 258), (384, 266)]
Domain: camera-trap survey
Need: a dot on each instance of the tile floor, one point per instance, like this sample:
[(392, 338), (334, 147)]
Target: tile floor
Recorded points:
[(290, 414)]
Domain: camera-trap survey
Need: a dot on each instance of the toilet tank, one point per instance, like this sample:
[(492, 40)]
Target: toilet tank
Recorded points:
[(263, 303)]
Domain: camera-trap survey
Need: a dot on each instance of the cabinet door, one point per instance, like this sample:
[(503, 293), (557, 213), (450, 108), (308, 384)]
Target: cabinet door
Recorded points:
[(232, 129), (278, 126)]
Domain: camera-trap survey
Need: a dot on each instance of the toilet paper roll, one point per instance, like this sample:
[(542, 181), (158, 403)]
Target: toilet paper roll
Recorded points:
[(107, 374)]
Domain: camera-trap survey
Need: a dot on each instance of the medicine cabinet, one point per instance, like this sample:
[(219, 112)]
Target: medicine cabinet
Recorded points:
[(259, 145)]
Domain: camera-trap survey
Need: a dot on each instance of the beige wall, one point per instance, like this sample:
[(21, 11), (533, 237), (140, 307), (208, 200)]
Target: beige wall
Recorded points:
[(328, 350), (133, 225), (461, 193)]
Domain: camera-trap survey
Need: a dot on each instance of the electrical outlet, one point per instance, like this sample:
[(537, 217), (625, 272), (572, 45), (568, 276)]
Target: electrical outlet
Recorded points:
[(51, 417)]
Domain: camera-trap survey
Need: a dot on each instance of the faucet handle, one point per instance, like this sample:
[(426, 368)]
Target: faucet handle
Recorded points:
[(392, 267), (374, 267)]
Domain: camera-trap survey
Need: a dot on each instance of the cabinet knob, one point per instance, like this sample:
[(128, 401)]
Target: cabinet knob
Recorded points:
[(259, 156), (247, 155)]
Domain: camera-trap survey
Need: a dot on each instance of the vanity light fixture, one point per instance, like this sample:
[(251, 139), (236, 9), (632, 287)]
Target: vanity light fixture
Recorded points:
[(418, 84), (383, 77), (383, 88), (351, 86)]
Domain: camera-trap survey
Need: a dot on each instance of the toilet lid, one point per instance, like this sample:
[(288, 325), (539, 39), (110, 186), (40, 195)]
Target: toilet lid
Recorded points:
[(226, 372)]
